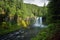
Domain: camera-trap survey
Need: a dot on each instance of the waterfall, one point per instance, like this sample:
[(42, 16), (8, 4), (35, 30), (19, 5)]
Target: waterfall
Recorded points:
[(38, 22), (41, 25)]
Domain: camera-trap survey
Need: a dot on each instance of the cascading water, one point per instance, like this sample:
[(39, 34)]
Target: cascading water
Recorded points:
[(38, 22)]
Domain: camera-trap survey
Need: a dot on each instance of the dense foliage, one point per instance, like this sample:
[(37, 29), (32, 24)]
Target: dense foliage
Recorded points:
[(15, 14), (52, 32)]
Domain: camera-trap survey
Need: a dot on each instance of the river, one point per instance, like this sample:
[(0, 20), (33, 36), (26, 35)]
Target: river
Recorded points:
[(25, 34)]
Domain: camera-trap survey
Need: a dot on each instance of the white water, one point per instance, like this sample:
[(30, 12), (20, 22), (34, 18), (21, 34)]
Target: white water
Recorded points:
[(38, 22)]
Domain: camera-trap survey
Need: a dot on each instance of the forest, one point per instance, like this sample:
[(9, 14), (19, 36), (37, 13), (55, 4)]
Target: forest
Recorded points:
[(14, 15), (52, 32)]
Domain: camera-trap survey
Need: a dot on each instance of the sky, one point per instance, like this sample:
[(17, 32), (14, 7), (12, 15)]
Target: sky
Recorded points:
[(36, 2)]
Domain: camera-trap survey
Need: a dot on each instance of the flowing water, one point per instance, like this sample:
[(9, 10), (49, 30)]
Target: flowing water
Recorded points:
[(38, 22), (26, 34)]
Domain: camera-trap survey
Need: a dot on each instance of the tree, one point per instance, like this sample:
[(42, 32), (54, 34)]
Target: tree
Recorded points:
[(54, 17), (52, 32)]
